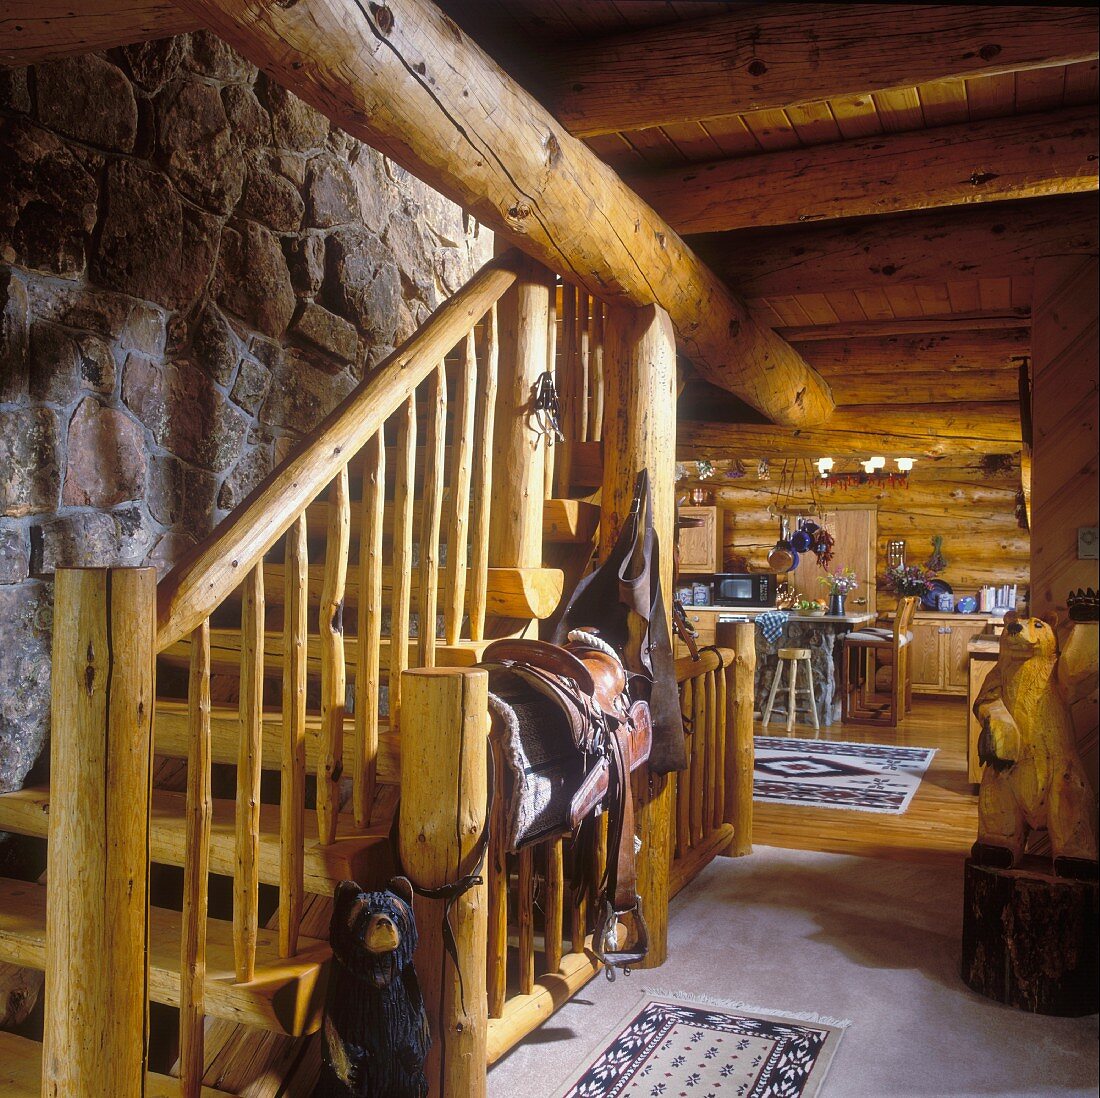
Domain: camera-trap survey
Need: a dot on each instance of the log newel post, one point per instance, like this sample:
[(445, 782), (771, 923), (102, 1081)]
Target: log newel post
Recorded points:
[(96, 1002), (740, 749), (639, 430), (519, 451), (444, 785)]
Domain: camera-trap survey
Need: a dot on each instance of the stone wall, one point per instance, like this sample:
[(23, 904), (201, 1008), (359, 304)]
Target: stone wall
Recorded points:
[(194, 267)]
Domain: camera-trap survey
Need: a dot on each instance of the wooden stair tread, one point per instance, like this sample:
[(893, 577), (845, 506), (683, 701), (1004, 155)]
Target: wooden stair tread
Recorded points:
[(563, 520), (170, 739), (21, 1072), (225, 650), (356, 855), (286, 996)]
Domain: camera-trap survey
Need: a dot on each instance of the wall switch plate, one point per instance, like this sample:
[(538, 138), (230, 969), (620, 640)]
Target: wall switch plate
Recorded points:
[(1088, 542)]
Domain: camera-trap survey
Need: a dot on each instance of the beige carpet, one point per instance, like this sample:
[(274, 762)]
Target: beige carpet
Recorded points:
[(872, 941)]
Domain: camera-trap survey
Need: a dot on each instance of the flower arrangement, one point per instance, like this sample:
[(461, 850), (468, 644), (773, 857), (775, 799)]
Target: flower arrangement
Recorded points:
[(912, 580), (839, 581), (704, 469)]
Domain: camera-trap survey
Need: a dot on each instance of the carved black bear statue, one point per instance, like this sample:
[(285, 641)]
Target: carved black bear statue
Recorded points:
[(376, 1035)]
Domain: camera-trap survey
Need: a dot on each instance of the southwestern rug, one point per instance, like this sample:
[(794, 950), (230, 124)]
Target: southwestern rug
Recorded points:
[(671, 1045), (864, 777)]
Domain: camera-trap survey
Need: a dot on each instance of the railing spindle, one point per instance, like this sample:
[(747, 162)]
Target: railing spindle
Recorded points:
[(722, 735), (458, 529), (333, 666), (483, 488), (684, 783), (292, 777), (497, 877), (698, 760), (435, 458), (711, 777), (368, 666), (555, 904), (568, 389), (595, 371), (196, 867), (526, 920), (246, 882), (403, 495), (552, 446), (584, 371)]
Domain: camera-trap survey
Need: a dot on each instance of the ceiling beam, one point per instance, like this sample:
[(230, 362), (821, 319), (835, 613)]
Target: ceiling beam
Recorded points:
[(963, 244), (900, 430), (405, 79), (1028, 156), (934, 351), (980, 321), (40, 30), (782, 55)]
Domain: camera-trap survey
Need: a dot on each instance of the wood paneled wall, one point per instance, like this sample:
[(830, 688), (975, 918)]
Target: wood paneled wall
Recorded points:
[(972, 506), (1065, 484)]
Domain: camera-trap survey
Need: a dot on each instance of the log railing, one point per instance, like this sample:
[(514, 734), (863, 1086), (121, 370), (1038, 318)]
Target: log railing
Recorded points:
[(712, 811), (449, 489)]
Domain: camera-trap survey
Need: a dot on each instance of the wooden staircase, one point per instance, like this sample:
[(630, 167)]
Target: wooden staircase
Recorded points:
[(260, 629)]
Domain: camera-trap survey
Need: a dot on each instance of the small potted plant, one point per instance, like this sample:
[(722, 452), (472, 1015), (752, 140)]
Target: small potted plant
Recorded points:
[(839, 582), (903, 581)]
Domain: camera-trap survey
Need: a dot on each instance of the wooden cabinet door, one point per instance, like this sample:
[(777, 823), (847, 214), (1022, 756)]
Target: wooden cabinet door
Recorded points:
[(699, 544), (956, 659), (924, 655), (855, 530)]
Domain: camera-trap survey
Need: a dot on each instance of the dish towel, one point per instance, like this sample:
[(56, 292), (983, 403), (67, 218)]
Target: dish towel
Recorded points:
[(772, 623)]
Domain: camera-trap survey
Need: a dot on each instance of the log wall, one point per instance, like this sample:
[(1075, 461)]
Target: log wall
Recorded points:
[(971, 504)]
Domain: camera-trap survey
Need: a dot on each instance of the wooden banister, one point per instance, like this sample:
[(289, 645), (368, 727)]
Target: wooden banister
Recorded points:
[(218, 565)]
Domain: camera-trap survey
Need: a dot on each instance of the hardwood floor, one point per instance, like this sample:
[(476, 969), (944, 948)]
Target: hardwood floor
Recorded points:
[(941, 821)]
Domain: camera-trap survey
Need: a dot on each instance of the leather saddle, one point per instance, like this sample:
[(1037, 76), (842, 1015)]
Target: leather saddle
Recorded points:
[(586, 682)]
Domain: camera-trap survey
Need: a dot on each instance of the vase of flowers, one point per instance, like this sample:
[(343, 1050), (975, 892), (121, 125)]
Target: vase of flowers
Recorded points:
[(903, 581), (839, 582)]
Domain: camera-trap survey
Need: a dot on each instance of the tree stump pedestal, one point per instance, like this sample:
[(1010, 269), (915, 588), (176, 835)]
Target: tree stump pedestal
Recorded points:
[(1030, 938)]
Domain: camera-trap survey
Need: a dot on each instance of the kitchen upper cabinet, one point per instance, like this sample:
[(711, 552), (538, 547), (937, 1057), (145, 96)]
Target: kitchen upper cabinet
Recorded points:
[(700, 551), (938, 653), (855, 532)]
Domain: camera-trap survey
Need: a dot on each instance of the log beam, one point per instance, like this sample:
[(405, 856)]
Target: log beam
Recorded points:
[(1026, 156), (992, 241), (947, 351), (982, 320), (782, 55), (39, 30), (914, 430), (405, 79)]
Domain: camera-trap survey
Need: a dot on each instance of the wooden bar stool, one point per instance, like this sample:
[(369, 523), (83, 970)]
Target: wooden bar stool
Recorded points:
[(791, 658), (856, 706)]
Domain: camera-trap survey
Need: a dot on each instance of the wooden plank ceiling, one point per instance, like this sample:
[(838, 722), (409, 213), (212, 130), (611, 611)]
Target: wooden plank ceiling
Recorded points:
[(890, 230)]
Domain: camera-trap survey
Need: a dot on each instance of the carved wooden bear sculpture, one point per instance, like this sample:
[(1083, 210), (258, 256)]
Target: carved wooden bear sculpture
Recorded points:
[(1033, 776), (376, 1031)]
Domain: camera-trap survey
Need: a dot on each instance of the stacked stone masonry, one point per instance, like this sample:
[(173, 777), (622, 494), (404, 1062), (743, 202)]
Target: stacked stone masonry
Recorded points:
[(195, 267)]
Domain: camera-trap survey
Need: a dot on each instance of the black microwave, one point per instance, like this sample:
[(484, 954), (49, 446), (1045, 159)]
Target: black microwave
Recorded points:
[(755, 589)]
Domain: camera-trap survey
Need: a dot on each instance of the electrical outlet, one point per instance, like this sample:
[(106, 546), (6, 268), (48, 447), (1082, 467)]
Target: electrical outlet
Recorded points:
[(1088, 543)]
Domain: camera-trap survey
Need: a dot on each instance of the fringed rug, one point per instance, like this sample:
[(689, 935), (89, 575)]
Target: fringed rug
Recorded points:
[(672, 1045), (866, 777)]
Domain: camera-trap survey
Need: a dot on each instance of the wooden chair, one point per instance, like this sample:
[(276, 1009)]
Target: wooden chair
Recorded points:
[(867, 645)]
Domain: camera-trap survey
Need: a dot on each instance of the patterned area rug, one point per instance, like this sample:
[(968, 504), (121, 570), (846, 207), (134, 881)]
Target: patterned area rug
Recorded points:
[(672, 1046), (866, 777)]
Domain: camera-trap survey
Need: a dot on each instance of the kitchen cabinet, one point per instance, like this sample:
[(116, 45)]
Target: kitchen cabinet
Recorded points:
[(855, 530), (701, 546), (938, 652), (705, 623)]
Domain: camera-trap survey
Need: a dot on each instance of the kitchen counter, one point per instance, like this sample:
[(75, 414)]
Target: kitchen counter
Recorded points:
[(754, 612), (984, 647)]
